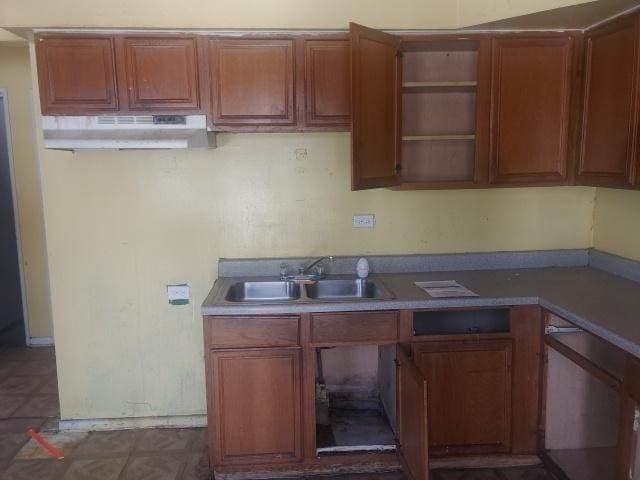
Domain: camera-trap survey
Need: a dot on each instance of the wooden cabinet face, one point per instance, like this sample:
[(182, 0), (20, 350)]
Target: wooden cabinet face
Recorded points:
[(608, 149), (252, 82), (375, 92), (530, 114), (254, 411), (77, 75), (327, 93), (412, 417), (469, 395), (161, 73)]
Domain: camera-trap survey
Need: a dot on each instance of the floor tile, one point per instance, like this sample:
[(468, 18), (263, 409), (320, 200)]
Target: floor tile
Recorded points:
[(99, 444), (10, 403), (526, 473), (11, 443), (50, 386), (17, 385), (156, 467), (199, 440), (95, 469), (475, 474), (39, 405), (65, 442), (197, 467), (163, 439), (33, 470), (20, 425), (36, 367)]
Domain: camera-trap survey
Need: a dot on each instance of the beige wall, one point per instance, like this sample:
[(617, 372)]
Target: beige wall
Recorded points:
[(122, 225), (616, 222), (265, 14), (15, 76)]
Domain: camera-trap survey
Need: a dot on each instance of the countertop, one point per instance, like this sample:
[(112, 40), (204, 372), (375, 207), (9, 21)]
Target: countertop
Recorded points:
[(597, 301)]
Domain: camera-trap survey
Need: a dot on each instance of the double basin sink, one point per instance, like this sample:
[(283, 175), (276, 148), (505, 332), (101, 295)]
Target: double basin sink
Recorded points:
[(291, 291)]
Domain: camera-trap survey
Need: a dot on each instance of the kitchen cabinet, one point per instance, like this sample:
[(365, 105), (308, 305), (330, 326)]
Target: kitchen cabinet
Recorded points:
[(629, 437), (413, 428), (159, 74), (469, 395), (255, 406), (327, 98), (531, 109), (420, 110), (77, 75), (252, 83), (608, 146)]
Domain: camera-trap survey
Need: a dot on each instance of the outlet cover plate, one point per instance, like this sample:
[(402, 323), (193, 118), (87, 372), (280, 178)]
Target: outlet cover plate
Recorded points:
[(178, 294), (364, 221)]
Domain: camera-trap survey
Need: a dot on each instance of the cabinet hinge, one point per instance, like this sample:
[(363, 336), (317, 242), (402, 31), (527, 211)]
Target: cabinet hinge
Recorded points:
[(399, 54), (398, 168)]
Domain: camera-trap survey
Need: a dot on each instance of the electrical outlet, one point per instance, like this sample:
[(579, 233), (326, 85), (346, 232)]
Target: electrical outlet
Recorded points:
[(178, 294), (364, 221)]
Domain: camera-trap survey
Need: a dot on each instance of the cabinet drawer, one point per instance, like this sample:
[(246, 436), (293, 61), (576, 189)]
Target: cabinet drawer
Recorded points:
[(360, 327), (230, 332)]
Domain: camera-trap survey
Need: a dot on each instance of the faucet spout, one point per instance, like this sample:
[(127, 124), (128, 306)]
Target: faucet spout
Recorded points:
[(315, 263)]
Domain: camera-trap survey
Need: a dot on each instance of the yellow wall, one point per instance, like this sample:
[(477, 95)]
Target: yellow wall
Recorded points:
[(15, 76), (265, 14), (122, 225), (616, 222)]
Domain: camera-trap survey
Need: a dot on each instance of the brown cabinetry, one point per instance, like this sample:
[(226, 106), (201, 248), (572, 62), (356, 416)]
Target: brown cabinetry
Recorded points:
[(255, 406), (608, 147), (252, 82), (469, 394), (531, 94), (326, 83), (77, 75), (160, 73)]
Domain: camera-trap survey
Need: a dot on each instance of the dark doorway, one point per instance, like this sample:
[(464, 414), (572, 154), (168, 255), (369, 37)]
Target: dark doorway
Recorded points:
[(12, 330)]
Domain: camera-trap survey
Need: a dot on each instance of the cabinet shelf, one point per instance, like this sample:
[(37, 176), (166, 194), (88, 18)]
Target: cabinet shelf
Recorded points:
[(436, 138)]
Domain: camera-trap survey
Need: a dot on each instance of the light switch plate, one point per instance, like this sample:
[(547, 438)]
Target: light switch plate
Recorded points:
[(178, 294), (364, 221)]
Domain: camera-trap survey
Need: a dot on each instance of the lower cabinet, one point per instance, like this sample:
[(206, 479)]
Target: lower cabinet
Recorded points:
[(255, 406), (469, 395)]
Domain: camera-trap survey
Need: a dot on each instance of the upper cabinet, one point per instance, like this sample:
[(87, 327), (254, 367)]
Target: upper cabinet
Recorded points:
[(326, 83), (160, 73), (77, 75), (608, 149), (252, 82), (531, 111), (375, 93)]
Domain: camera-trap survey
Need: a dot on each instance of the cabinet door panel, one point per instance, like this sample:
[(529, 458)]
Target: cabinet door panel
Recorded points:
[(254, 411), (252, 82), (412, 417), (327, 93), (607, 151), (469, 395), (76, 75), (375, 92), (531, 98), (161, 73)]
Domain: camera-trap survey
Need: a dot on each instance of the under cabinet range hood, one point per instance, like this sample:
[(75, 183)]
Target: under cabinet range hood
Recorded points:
[(127, 132)]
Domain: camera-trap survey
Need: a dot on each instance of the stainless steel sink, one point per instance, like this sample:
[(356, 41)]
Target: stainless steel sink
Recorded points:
[(347, 289), (263, 291)]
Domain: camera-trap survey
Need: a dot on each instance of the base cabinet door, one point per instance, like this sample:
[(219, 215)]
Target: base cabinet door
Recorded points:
[(254, 408), (412, 417), (469, 395)]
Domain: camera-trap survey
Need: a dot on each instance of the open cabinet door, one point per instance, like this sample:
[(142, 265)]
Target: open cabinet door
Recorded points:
[(375, 108), (413, 439)]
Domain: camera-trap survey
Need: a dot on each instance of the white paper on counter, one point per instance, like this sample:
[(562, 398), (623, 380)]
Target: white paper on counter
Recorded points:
[(445, 288)]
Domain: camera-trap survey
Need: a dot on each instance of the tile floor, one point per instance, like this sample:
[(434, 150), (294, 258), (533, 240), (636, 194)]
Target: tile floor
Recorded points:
[(29, 398)]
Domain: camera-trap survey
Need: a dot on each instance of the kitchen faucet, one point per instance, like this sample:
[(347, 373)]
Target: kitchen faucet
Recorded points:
[(304, 273)]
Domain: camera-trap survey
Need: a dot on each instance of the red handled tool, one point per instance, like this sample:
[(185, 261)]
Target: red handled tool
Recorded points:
[(51, 450)]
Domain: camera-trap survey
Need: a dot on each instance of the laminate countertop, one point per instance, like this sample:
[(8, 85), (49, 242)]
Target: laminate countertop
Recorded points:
[(597, 301)]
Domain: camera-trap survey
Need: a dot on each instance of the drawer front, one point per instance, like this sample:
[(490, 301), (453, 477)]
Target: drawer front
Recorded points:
[(233, 332), (360, 327)]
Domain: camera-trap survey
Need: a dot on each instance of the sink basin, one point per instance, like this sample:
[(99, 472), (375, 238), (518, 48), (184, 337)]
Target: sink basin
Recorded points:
[(347, 289), (263, 291)]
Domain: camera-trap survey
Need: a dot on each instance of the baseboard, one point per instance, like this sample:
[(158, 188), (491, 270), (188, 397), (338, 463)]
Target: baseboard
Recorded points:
[(97, 424), (41, 341)]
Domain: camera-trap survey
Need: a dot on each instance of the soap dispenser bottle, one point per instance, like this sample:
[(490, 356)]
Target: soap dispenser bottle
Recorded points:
[(362, 268)]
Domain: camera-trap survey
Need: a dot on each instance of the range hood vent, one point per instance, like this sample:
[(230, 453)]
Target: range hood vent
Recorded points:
[(126, 132)]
